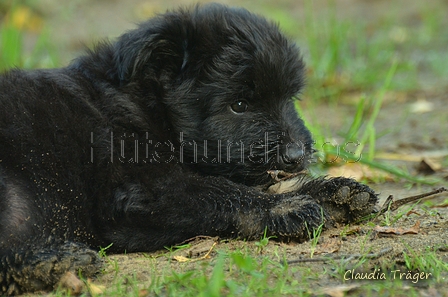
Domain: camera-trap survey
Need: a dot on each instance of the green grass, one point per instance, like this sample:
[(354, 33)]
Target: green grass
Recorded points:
[(425, 261), (344, 59), (391, 218), (263, 242), (230, 273), (14, 53), (314, 236), (246, 273)]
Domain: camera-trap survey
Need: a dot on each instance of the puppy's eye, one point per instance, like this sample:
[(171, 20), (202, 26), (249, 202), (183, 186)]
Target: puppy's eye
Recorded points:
[(239, 106)]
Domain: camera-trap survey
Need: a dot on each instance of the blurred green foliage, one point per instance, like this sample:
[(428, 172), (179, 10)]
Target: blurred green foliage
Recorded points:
[(24, 41)]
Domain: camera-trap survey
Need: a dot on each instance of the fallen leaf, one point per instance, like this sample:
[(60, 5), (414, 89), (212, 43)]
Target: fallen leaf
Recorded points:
[(398, 157), (428, 166), (143, 293), (421, 106), (435, 157), (358, 171), (95, 290), (398, 231), (72, 283), (412, 212), (181, 259), (285, 186)]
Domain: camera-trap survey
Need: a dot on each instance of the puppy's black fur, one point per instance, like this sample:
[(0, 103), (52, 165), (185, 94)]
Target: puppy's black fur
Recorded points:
[(154, 139)]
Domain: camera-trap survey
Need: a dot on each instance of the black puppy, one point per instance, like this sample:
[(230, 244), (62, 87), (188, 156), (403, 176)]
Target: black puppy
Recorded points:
[(154, 139)]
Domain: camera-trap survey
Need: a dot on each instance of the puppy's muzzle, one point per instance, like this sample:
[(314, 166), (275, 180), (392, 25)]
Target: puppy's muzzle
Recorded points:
[(292, 157)]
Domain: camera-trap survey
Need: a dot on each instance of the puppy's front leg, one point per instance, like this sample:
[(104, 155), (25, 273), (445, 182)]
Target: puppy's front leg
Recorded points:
[(167, 211)]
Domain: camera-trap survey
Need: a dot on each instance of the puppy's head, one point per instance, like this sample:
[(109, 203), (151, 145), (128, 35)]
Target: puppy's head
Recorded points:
[(227, 80)]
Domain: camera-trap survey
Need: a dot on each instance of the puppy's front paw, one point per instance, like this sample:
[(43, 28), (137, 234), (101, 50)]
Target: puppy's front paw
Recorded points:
[(295, 217), (344, 200)]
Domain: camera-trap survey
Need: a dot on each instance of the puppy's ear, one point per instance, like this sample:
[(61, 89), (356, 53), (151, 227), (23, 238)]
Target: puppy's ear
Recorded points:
[(154, 53)]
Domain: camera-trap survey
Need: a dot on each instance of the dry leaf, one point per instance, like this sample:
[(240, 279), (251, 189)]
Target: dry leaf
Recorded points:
[(433, 155), (285, 186), (181, 259), (95, 290), (412, 212), (398, 231), (357, 171), (398, 157), (72, 283), (428, 166), (143, 293), (422, 106)]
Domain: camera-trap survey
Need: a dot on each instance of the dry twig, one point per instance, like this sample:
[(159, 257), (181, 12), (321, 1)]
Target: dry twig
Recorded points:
[(345, 257), (392, 205)]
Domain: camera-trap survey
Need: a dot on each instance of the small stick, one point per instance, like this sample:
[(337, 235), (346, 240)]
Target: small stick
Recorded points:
[(338, 257), (392, 205)]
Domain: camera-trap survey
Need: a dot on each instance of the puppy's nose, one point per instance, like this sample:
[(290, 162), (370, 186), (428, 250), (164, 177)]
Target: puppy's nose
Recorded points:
[(292, 156)]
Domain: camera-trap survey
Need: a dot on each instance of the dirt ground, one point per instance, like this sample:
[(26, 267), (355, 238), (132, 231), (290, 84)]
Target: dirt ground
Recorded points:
[(417, 135)]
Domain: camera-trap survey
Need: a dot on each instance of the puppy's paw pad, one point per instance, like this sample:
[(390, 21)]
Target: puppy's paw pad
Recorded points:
[(360, 201), (342, 195), (346, 200)]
